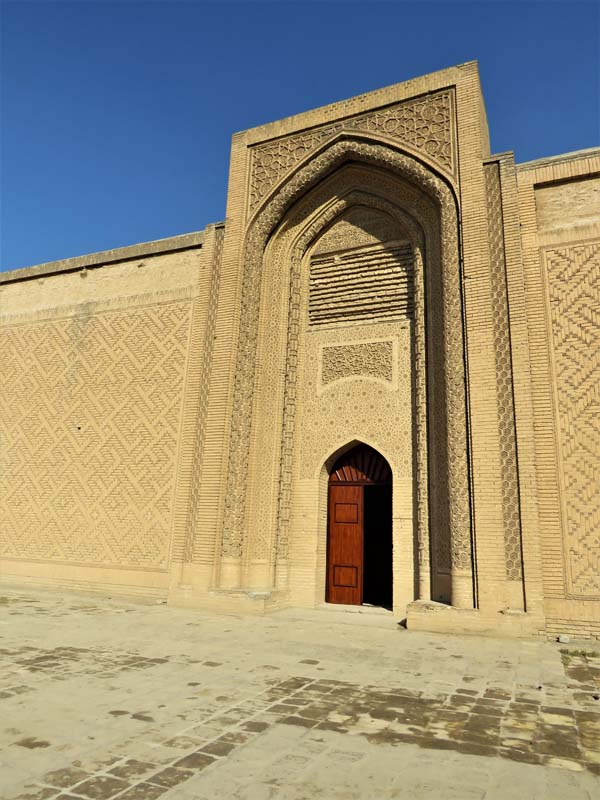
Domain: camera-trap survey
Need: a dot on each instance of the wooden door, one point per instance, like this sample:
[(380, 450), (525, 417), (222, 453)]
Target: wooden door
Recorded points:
[(345, 548)]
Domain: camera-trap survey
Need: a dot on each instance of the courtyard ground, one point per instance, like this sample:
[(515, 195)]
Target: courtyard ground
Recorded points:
[(109, 698)]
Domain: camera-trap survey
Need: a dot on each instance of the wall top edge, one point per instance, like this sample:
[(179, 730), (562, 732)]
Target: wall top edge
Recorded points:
[(574, 155), (396, 92), (505, 155), (171, 244)]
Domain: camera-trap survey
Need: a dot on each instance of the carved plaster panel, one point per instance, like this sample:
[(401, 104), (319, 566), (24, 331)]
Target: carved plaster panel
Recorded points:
[(366, 359)]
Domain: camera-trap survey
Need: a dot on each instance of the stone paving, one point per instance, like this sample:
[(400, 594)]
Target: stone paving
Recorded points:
[(103, 698)]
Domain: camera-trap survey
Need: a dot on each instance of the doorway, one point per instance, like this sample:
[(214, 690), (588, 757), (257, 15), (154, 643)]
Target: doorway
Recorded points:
[(359, 529)]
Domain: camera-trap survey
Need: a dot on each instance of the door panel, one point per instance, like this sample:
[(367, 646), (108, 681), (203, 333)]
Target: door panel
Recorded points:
[(345, 545), (346, 577), (346, 512)]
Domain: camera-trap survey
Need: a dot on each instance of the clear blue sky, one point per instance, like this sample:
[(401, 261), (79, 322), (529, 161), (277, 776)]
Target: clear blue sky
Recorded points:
[(117, 116)]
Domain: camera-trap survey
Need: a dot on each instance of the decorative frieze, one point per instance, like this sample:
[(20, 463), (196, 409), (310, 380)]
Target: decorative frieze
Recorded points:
[(504, 377)]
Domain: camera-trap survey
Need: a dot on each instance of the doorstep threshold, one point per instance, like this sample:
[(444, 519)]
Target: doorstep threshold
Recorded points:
[(363, 609)]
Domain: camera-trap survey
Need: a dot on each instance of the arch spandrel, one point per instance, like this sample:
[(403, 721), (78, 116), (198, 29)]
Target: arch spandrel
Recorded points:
[(424, 128), (365, 149), (270, 226)]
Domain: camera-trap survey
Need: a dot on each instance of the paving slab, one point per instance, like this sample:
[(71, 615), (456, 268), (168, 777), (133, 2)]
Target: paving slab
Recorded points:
[(104, 698)]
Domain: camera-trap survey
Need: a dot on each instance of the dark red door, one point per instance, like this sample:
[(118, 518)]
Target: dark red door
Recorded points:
[(346, 533)]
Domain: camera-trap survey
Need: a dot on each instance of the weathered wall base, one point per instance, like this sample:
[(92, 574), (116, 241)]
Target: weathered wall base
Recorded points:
[(74, 577), (440, 618)]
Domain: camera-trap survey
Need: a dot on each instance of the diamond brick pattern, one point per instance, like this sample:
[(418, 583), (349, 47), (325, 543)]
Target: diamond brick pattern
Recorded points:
[(89, 417), (574, 288)]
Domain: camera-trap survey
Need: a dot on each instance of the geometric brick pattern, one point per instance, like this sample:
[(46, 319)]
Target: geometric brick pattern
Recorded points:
[(89, 415), (426, 124), (573, 274), (504, 380)]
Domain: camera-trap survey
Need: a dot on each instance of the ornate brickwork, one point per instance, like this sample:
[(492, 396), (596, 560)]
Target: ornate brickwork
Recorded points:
[(421, 457), (426, 125), (574, 292), (332, 417), (90, 410), (504, 376), (369, 359), (168, 424), (382, 415)]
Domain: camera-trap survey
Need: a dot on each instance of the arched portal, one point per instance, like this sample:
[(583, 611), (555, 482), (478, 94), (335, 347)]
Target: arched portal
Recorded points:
[(359, 539), (289, 398)]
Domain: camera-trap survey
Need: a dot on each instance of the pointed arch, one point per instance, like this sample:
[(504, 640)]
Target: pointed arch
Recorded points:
[(361, 464), (327, 463), (329, 201)]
